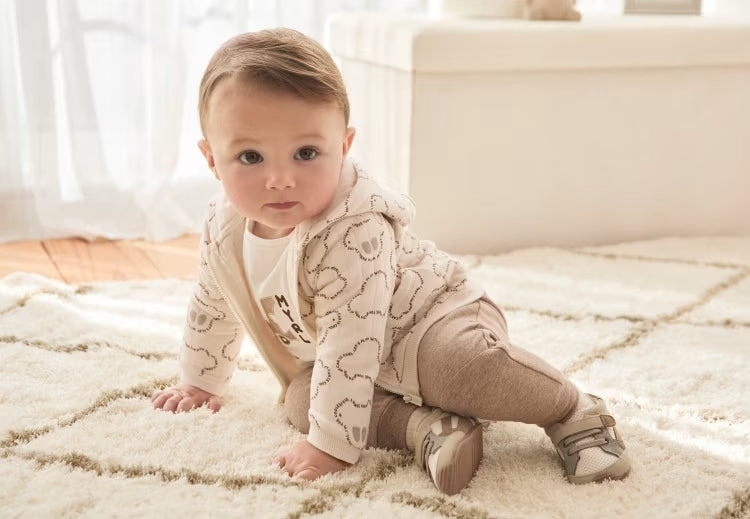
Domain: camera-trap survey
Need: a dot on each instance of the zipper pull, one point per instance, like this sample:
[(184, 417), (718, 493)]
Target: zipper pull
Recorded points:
[(409, 399)]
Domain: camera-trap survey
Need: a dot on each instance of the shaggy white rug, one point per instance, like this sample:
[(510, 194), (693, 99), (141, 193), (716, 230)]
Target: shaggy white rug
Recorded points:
[(660, 329)]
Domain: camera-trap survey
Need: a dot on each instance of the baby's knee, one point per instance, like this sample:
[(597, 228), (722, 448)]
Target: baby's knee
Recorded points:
[(297, 402)]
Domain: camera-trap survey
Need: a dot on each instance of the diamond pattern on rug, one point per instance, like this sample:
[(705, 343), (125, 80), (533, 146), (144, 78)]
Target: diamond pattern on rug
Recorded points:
[(660, 329)]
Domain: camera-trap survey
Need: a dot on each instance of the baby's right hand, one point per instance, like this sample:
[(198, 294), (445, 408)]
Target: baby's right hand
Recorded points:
[(184, 397)]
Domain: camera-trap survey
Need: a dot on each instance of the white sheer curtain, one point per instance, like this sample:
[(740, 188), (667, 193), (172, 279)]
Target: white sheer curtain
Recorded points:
[(97, 109)]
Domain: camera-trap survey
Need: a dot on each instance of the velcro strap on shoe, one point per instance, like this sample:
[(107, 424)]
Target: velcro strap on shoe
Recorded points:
[(559, 432)]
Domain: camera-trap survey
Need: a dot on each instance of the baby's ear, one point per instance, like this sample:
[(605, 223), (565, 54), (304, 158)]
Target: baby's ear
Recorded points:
[(348, 139), (206, 150)]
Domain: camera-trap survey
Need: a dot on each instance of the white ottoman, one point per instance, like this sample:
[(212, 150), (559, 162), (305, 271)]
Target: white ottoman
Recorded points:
[(509, 133)]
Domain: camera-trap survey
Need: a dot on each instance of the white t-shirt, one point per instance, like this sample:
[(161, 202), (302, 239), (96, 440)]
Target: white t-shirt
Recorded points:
[(265, 263)]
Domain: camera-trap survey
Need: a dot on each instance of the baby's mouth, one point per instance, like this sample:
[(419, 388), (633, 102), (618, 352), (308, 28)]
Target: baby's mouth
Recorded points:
[(282, 206)]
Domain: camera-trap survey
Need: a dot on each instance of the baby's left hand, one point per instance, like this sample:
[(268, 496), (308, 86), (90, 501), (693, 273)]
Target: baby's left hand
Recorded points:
[(306, 461)]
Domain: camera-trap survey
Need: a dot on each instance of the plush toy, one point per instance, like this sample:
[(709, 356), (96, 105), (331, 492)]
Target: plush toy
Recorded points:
[(551, 10)]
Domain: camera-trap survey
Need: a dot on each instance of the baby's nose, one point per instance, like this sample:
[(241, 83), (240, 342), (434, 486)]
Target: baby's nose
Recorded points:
[(280, 178)]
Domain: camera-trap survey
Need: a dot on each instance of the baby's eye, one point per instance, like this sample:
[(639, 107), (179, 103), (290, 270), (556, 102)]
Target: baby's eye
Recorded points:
[(250, 157), (306, 154)]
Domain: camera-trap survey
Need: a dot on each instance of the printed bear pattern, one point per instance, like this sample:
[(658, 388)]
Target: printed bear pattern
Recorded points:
[(361, 304), (332, 281), (349, 412), (327, 324), (202, 315), (231, 348), (348, 362), (368, 249), (411, 283), (320, 377), (361, 239), (213, 362), (316, 249)]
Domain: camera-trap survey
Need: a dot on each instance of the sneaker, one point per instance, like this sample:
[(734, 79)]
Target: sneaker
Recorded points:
[(448, 447), (588, 443)]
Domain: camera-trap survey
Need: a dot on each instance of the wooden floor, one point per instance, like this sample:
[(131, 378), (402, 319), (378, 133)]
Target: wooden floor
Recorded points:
[(75, 260)]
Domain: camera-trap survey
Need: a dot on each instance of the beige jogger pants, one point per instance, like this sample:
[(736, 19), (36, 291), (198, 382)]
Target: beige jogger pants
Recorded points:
[(467, 366)]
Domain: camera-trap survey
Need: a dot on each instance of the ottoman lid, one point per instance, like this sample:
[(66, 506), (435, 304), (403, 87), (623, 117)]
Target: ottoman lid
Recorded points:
[(425, 44)]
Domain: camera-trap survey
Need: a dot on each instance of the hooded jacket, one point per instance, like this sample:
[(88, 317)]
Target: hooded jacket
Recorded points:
[(366, 289)]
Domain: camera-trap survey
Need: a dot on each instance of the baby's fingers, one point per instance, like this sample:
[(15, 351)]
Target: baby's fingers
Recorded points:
[(158, 399), (280, 460), (172, 401), (214, 403), (308, 474), (186, 404)]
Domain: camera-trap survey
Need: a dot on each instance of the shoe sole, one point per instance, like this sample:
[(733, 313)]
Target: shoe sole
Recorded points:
[(456, 474), (618, 470)]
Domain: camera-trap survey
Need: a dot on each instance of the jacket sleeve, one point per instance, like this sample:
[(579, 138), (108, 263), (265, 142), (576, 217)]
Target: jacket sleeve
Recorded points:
[(350, 271), (212, 336)]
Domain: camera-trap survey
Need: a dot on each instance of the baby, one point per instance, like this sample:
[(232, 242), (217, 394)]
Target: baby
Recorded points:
[(377, 338)]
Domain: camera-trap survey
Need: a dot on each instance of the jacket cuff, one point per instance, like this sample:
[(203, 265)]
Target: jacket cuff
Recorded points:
[(215, 388), (332, 445)]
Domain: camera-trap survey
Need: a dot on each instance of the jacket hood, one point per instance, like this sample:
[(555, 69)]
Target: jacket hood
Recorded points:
[(357, 194)]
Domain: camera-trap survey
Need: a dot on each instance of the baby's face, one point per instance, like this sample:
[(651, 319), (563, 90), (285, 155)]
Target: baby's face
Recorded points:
[(277, 155)]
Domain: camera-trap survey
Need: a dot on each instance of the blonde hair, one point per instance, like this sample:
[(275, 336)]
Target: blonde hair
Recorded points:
[(280, 58)]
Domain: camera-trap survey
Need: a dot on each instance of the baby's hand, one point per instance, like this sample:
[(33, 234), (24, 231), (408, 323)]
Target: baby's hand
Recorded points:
[(184, 397), (306, 461)]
